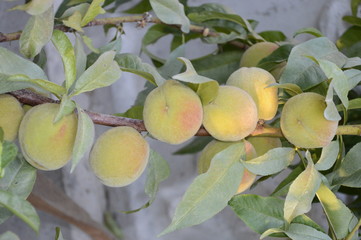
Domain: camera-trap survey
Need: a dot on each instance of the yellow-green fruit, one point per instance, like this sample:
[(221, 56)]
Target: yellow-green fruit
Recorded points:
[(254, 54), (215, 147), (255, 81), (303, 122), (231, 116), (11, 114), (45, 145), (119, 156), (172, 112), (264, 144)]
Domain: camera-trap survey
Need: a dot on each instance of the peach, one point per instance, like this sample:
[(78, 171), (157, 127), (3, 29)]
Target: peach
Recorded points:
[(11, 114), (231, 116), (172, 112), (47, 145), (254, 54), (119, 156), (215, 147), (264, 144), (303, 122), (255, 81)]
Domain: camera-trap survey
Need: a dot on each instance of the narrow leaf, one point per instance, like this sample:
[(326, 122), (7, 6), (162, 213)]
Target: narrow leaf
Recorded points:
[(354, 77), (21, 208), (58, 235), (171, 12), (84, 137), (328, 156), (94, 10), (338, 215), (66, 51), (104, 72), (274, 161), (310, 30), (67, 106), (291, 88), (302, 232), (202, 199), (35, 7), (302, 191), (80, 57), (37, 33), (331, 112)]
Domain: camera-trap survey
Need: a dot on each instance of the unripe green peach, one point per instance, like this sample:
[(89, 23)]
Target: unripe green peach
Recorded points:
[(231, 116), (264, 144), (254, 54), (303, 122), (47, 145), (11, 114), (255, 81), (172, 112), (215, 147), (119, 156)]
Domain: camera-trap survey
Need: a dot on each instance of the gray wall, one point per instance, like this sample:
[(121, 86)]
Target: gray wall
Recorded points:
[(287, 16)]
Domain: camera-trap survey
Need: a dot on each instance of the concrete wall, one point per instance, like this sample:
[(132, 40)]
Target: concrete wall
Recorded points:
[(287, 16)]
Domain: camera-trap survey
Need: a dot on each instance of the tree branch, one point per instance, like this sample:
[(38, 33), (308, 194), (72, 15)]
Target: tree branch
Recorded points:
[(30, 98), (124, 19)]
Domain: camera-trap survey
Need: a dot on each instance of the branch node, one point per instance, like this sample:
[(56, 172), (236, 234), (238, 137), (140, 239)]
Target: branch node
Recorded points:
[(147, 17)]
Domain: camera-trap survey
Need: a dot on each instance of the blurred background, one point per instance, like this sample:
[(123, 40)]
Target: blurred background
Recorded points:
[(82, 186)]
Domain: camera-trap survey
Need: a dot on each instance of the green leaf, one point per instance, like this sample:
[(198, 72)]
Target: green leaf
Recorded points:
[(353, 20), (275, 160), (301, 193), (8, 153), (171, 12), (35, 7), (354, 6), (37, 33), (135, 112), (224, 38), (309, 30), (206, 16), (67, 106), (11, 64), (196, 145), (132, 63), (283, 187), (81, 8), (352, 62), (328, 156), (331, 112), (273, 36), (278, 56), (349, 173), (302, 232), (271, 231), (84, 137), (263, 213), (291, 88), (66, 51), (9, 236), (142, 7), (304, 72), (16, 82), (21, 208), (352, 104), (58, 235), (338, 215), (349, 38), (94, 10), (202, 199), (158, 171), (89, 43), (104, 72), (172, 66), (74, 21), (219, 66), (354, 77), (80, 57), (339, 79)]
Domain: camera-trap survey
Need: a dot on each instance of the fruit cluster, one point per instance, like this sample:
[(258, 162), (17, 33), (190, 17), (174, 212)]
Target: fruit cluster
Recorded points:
[(173, 113)]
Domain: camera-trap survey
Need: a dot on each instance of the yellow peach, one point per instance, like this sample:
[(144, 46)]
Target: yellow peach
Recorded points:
[(11, 114), (254, 54), (47, 145), (255, 81), (172, 112), (215, 147), (231, 116), (303, 122), (119, 156)]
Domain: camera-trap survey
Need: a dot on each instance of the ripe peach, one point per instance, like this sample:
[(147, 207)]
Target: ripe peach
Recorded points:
[(119, 156), (172, 112), (254, 54), (231, 116), (303, 122), (45, 145), (11, 114), (215, 147), (255, 81)]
